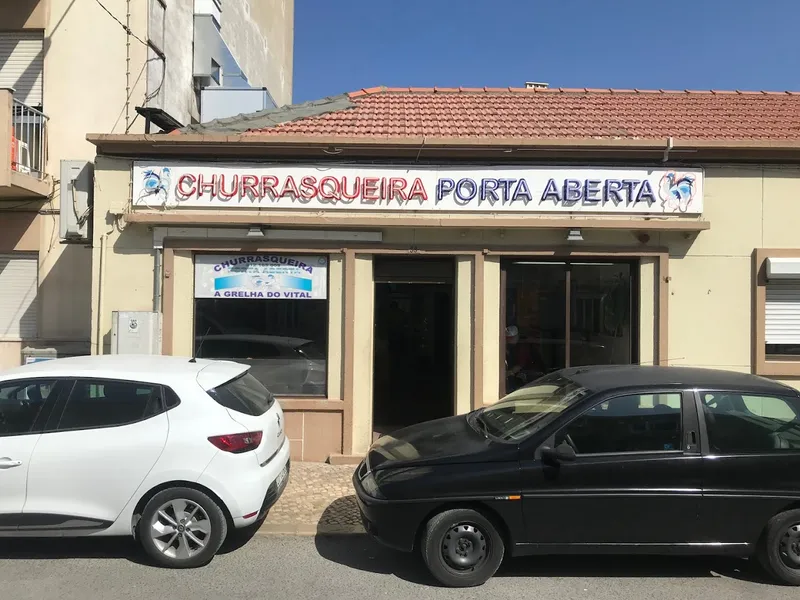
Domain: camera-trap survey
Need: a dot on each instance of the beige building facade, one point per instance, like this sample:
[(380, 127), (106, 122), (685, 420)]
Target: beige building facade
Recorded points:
[(67, 68), (477, 278)]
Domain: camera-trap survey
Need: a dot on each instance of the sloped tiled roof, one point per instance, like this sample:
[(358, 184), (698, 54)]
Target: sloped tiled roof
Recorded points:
[(554, 113)]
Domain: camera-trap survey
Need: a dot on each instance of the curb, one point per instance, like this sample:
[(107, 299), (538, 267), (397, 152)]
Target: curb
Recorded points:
[(308, 529)]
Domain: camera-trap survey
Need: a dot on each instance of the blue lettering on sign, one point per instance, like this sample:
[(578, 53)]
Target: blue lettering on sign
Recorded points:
[(573, 192), (466, 189), (444, 187), (611, 191), (568, 192), (591, 188), (646, 193), (522, 192), (551, 192)]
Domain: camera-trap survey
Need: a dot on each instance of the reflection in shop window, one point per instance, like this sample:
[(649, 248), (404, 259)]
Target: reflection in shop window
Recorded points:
[(566, 314), (271, 314)]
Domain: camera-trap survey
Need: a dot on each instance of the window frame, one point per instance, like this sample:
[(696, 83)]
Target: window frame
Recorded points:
[(769, 365), (68, 387), (705, 448), (689, 424), (39, 424)]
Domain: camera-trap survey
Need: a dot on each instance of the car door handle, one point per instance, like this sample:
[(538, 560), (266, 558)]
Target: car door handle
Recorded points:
[(7, 463)]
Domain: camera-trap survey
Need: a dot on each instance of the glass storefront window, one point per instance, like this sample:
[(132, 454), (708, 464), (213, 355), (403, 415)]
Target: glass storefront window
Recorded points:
[(269, 311), (565, 314), (284, 341)]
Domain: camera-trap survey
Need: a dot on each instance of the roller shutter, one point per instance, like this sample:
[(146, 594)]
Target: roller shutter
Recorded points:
[(782, 315), (19, 283), (22, 64)]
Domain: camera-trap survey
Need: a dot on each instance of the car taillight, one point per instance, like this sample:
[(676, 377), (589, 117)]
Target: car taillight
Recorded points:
[(237, 443)]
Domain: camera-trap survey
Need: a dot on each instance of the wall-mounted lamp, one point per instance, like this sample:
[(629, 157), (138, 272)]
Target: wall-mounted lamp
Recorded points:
[(574, 235), (255, 232)]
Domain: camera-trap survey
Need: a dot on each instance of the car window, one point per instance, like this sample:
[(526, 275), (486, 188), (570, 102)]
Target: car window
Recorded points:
[(634, 423), (529, 408), (20, 404), (751, 423), (245, 394), (104, 403)]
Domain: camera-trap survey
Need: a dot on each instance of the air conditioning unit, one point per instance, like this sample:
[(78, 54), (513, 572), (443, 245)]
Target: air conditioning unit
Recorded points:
[(77, 189), (135, 332)]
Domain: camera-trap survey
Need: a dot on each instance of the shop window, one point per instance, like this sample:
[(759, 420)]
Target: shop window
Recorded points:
[(566, 314), (777, 312), (267, 311)]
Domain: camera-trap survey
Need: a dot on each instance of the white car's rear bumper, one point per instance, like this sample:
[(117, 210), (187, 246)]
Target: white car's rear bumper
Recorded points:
[(247, 488)]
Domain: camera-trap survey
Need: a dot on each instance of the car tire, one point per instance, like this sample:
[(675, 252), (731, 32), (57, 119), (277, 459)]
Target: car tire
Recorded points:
[(779, 552), (182, 528), (462, 548)]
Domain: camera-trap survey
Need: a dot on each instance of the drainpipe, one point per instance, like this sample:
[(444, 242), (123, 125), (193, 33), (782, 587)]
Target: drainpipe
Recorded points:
[(158, 267), (669, 147), (101, 294), (157, 280)]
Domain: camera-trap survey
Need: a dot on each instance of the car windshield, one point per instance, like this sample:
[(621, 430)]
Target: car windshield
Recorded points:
[(528, 409)]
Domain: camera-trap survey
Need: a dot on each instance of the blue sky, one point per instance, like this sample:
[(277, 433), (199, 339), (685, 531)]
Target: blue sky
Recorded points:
[(345, 45)]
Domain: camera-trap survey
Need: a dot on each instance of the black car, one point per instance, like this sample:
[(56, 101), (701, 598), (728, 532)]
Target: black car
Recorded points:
[(630, 459)]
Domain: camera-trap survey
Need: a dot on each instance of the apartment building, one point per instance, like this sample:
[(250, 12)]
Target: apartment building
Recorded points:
[(70, 67)]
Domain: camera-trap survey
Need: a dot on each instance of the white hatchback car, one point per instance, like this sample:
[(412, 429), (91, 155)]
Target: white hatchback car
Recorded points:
[(173, 451)]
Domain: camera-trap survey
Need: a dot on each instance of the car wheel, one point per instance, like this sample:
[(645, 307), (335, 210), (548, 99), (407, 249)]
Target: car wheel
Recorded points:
[(462, 548), (182, 528), (780, 551)]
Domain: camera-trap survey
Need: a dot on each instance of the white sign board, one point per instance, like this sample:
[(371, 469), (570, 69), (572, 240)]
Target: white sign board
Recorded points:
[(539, 189), (268, 276)]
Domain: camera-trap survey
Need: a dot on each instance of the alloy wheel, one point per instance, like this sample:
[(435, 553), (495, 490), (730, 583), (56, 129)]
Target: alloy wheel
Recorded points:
[(180, 529)]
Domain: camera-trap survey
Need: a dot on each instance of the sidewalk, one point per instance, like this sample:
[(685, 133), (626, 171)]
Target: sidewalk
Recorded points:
[(318, 499)]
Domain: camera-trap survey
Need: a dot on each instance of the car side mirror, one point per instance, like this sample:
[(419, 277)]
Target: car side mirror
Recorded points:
[(561, 453)]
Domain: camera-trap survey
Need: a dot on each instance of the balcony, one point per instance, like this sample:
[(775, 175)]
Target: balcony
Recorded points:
[(23, 150)]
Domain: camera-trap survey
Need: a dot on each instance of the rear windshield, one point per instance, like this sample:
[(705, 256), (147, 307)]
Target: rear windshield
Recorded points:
[(245, 394)]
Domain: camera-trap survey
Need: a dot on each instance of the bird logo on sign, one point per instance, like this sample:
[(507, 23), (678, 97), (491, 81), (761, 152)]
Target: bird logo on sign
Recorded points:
[(676, 191)]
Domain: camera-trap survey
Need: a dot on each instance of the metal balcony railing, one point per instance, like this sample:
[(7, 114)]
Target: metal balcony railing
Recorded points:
[(28, 140)]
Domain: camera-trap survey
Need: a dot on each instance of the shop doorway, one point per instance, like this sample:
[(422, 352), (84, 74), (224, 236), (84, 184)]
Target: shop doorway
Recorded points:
[(414, 338), (572, 313)]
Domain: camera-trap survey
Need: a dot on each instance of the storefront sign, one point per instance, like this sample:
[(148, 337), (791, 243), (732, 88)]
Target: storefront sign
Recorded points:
[(269, 276), (441, 189)]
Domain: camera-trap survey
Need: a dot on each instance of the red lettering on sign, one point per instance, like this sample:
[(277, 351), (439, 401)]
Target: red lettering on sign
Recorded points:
[(417, 191), (250, 186), (268, 185), (182, 182)]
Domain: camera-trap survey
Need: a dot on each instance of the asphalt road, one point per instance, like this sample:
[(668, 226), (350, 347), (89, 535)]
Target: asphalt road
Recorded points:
[(353, 567)]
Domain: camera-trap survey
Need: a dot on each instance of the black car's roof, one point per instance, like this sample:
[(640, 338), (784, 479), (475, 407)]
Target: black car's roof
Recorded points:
[(606, 378)]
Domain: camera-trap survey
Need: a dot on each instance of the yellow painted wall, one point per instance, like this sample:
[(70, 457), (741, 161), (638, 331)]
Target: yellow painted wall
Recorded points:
[(464, 323), (491, 331), (335, 325), (363, 359), (183, 313)]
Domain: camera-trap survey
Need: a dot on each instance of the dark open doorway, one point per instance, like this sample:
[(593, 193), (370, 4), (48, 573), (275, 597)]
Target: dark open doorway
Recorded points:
[(414, 341)]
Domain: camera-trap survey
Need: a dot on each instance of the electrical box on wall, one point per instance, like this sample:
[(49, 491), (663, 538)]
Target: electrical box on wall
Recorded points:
[(77, 187), (135, 332)]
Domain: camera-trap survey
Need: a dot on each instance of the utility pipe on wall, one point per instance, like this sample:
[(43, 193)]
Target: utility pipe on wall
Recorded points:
[(101, 294), (157, 267)]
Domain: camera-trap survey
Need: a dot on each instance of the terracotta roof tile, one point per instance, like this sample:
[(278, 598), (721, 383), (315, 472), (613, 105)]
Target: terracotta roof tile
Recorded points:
[(556, 113)]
